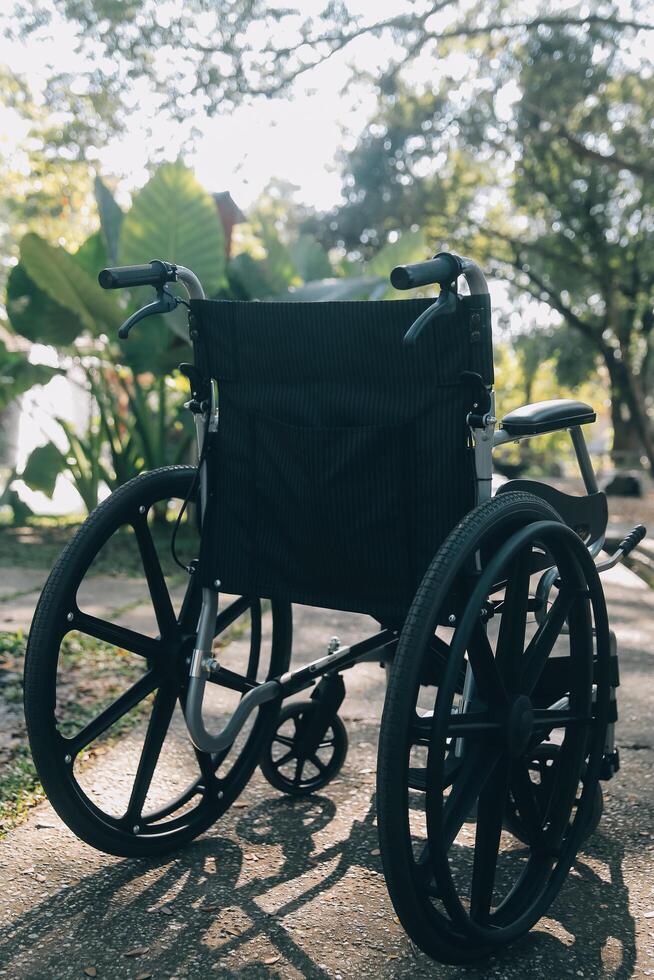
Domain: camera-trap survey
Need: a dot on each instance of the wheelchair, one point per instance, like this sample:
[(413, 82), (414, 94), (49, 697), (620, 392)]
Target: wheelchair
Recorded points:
[(345, 462)]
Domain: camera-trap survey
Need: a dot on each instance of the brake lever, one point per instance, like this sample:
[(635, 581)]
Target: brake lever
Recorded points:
[(445, 305), (164, 303)]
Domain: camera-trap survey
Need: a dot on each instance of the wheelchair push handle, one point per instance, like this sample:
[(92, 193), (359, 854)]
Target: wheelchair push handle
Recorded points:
[(155, 273), (443, 269)]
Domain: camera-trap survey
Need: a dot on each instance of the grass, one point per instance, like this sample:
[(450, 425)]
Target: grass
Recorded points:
[(101, 673), (39, 545)]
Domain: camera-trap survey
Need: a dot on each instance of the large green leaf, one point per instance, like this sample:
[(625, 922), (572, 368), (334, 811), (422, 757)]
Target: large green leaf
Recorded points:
[(310, 259), (43, 467), (62, 278), (17, 375), (111, 219), (326, 290), (154, 346), (92, 255), (173, 218), (36, 316)]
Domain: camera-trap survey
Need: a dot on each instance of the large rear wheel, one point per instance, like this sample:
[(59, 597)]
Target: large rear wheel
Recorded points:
[(457, 753), (108, 656)]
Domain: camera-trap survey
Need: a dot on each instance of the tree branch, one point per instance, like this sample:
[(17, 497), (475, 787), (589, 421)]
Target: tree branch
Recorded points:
[(554, 300), (614, 159)]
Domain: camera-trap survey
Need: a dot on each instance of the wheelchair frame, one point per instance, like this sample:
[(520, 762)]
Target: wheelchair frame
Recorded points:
[(377, 648), (494, 712)]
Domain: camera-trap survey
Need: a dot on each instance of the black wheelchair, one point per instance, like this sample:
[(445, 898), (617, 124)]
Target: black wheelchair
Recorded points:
[(345, 462)]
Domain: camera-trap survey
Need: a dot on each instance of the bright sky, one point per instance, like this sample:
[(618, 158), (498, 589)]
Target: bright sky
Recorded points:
[(294, 138)]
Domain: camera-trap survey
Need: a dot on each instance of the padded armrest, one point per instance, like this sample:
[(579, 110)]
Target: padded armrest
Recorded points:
[(560, 413)]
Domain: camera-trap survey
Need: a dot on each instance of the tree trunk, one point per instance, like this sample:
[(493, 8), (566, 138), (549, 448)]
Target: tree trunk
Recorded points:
[(633, 430)]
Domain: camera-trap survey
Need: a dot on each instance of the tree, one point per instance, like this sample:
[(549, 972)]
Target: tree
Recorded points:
[(588, 224), (563, 210), (408, 171), (213, 54), (44, 189)]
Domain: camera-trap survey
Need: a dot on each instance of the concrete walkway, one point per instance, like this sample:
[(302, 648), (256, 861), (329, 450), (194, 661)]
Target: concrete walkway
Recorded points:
[(295, 889)]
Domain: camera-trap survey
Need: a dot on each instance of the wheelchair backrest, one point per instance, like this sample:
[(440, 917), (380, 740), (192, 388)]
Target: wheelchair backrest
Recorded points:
[(341, 459)]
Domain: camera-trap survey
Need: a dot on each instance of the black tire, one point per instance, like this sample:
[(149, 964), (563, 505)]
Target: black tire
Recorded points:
[(309, 773), (160, 665), (443, 890)]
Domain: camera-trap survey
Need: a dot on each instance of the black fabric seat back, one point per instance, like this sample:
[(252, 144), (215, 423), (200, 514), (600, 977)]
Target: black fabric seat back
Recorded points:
[(341, 459)]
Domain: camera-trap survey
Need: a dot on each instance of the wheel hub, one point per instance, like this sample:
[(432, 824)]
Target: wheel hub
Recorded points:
[(519, 725)]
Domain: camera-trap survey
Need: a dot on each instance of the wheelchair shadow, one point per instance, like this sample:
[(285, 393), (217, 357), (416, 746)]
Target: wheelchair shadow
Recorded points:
[(227, 920), (589, 926)]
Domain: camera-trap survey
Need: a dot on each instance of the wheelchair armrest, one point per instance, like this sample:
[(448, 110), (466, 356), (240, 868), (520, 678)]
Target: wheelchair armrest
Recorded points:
[(559, 413)]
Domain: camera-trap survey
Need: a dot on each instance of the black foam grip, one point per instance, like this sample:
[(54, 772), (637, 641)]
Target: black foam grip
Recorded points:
[(633, 539), (442, 269), (153, 274)]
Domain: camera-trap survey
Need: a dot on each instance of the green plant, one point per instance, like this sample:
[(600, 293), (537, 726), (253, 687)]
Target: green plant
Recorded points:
[(53, 298)]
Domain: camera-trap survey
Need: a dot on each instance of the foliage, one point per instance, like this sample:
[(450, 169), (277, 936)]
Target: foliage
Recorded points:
[(526, 370), (223, 65), (97, 669), (588, 252), (539, 167), (136, 419), (65, 282), (111, 220), (173, 217), (53, 298), (18, 375)]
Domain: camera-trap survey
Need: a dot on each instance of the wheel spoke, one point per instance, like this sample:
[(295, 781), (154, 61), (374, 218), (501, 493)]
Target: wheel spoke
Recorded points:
[(425, 872), (545, 719), (526, 802), (113, 713), (511, 639), (118, 636), (319, 764), (163, 607), (299, 767), (490, 685), (467, 723), (162, 712), (229, 615), (477, 767), (283, 759), (284, 740), (472, 723), (224, 677), (542, 642), (490, 812)]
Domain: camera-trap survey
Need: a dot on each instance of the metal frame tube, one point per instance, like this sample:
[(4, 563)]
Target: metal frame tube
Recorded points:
[(374, 648), (583, 458), (190, 282), (474, 277)]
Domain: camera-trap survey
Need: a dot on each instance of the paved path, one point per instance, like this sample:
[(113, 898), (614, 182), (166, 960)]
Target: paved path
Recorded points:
[(296, 890)]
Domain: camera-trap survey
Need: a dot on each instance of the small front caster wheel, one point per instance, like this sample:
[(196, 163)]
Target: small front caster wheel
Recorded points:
[(300, 760)]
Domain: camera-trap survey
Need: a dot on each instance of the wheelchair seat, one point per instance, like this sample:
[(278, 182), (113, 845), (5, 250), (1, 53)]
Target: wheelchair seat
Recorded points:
[(547, 416)]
